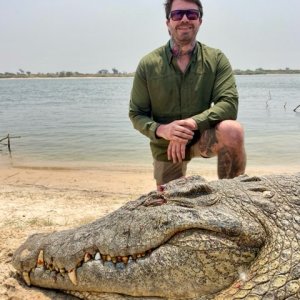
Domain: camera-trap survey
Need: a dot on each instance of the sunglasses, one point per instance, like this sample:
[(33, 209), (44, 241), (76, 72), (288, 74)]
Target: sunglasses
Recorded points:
[(191, 14)]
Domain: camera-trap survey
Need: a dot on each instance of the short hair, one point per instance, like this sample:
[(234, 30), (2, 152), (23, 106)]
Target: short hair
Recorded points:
[(168, 5)]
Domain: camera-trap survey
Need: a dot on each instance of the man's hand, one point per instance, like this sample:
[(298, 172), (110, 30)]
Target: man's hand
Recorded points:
[(176, 151), (178, 133), (180, 130)]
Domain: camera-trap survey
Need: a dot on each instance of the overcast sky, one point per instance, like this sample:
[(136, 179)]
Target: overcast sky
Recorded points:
[(89, 35)]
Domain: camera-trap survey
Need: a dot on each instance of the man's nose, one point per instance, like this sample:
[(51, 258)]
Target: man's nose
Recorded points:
[(185, 18)]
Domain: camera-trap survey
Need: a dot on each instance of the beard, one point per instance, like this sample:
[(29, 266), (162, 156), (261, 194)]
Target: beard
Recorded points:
[(185, 36)]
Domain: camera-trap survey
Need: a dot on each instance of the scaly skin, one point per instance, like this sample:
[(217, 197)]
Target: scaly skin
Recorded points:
[(227, 239)]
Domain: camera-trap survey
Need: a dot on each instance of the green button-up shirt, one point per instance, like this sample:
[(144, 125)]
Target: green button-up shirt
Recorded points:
[(161, 93)]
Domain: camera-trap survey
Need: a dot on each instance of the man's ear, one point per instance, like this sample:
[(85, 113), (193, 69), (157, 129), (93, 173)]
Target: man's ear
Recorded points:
[(167, 23)]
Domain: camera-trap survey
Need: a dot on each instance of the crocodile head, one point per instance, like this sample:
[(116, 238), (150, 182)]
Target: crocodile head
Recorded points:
[(194, 239)]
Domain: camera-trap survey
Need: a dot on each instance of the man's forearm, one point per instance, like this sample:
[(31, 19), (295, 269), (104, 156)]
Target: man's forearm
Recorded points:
[(143, 124), (221, 111)]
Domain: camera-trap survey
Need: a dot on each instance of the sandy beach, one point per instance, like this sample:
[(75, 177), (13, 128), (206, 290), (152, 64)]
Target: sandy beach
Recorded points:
[(52, 199)]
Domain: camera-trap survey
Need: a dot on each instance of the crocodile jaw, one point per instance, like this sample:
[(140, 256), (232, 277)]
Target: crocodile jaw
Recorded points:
[(212, 260)]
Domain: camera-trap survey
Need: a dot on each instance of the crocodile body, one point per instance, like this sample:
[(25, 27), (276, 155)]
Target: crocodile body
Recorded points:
[(225, 239)]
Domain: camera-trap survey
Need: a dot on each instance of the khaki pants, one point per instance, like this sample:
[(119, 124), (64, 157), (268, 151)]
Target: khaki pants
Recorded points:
[(165, 171)]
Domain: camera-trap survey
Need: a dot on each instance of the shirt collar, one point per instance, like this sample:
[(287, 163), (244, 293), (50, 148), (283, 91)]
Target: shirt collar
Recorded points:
[(170, 54)]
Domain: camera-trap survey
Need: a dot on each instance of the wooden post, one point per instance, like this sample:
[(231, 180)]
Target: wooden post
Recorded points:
[(8, 138), (8, 144)]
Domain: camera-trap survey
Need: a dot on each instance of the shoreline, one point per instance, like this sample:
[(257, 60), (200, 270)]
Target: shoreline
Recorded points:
[(111, 175)]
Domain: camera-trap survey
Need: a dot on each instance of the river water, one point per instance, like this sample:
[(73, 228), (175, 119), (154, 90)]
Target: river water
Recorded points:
[(84, 122)]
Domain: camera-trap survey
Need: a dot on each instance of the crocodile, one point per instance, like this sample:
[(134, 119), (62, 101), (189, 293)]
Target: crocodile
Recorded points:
[(225, 239)]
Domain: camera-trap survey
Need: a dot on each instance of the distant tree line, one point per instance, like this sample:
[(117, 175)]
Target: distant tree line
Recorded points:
[(101, 73), (261, 71), (116, 73)]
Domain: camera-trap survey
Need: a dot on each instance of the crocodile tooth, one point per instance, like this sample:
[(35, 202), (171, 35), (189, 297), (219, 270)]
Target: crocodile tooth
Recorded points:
[(139, 255), (73, 277), (26, 278), (114, 260), (40, 260), (125, 259), (79, 264), (108, 258), (87, 257), (97, 256)]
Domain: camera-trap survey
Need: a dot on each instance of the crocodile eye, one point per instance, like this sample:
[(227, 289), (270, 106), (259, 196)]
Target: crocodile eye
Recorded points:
[(198, 190), (246, 178), (190, 190)]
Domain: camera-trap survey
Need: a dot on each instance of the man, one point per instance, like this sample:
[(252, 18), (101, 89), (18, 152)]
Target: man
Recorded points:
[(184, 99)]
